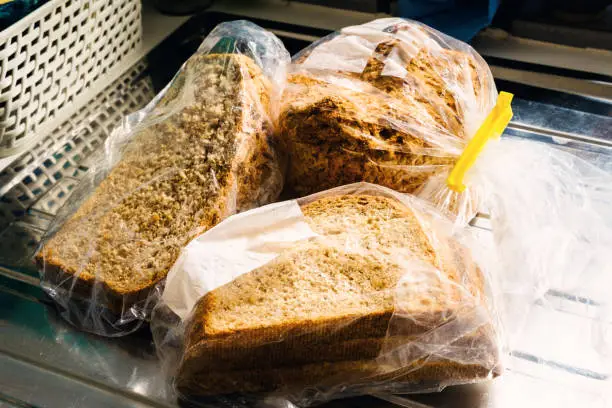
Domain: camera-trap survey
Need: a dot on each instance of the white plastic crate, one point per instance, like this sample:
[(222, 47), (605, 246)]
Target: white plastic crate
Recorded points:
[(41, 179), (56, 54)]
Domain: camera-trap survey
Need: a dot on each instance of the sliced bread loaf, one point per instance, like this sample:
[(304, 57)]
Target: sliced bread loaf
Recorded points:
[(401, 119), (378, 277), (208, 152)]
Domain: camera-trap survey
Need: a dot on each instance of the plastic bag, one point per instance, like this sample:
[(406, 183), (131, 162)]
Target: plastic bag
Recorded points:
[(203, 149), (391, 102), (354, 290), (551, 219)]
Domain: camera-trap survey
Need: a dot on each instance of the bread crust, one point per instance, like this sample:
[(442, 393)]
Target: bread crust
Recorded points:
[(346, 377)]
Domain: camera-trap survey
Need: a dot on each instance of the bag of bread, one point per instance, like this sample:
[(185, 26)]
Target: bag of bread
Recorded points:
[(391, 102), (350, 291), (203, 149)]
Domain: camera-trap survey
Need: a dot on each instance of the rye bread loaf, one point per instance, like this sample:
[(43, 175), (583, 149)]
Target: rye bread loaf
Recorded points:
[(393, 127), (208, 153), (332, 302)]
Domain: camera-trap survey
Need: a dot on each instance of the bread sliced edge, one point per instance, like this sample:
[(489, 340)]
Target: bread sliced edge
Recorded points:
[(333, 377)]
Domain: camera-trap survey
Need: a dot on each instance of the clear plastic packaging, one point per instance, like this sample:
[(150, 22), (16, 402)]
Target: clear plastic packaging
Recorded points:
[(203, 149), (551, 220), (354, 290), (391, 102), (396, 103), (550, 215)]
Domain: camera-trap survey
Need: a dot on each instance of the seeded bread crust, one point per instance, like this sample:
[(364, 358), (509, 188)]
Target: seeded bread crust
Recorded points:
[(211, 153), (317, 304)]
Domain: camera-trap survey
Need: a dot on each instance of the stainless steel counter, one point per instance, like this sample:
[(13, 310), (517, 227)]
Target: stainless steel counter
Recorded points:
[(46, 363)]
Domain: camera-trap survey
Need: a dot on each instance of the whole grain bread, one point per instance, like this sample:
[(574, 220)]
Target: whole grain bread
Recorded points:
[(333, 379), (388, 128), (206, 152), (378, 277)]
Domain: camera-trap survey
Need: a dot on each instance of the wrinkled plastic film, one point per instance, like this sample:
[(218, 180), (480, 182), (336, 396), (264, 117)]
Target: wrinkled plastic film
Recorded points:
[(203, 149), (551, 220), (441, 328), (246, 38), (392, 102)]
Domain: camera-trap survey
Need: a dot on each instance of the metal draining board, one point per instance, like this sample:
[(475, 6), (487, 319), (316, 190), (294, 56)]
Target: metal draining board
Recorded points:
[(554, 366)]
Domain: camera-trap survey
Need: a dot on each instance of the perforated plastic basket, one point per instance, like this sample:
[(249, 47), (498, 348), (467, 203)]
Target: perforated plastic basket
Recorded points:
[(35, 185), (57, 54)]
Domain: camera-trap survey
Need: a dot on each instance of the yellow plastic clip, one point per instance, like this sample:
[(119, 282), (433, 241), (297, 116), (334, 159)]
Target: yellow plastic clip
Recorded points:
[(493, 126)]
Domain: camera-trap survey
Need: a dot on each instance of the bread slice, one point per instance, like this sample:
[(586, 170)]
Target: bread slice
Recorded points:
[(397, 131), (379, 276), (335, 379), (206, 152)]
